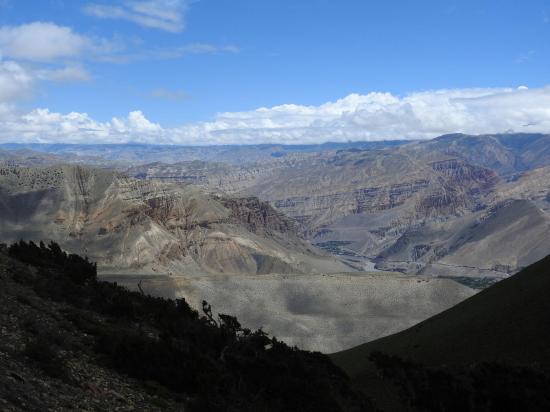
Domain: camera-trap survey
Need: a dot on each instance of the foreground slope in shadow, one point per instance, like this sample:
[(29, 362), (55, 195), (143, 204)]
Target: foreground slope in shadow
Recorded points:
[(506, 326), (71, 342)]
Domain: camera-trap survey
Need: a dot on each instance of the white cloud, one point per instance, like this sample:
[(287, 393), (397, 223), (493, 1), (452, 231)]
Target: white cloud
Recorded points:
[(16, 82), (46, 42), (40, 51), (136, 123), (167, 15), (42, 125), (379, 116), (374, 116), (49, 43), (40, 41), (44, 51)]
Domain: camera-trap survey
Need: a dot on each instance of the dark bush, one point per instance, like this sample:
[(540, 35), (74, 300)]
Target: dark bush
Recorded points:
[(79, 270), (477, 387), (44, 350)]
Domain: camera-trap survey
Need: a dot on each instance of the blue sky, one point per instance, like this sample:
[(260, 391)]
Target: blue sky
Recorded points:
[(179, 64)]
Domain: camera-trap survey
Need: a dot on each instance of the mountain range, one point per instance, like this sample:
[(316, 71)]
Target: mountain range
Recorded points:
[(402, 230), (126, 224), (434, 207), (177, 240)]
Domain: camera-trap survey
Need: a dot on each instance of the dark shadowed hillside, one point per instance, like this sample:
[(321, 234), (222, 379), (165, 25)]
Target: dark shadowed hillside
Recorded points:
[(70, 342), (499, 339)]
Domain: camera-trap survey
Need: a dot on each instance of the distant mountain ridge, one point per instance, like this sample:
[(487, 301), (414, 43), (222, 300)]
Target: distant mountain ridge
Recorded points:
[(374, 202), (503, 153), (397, 203), (137, 153)]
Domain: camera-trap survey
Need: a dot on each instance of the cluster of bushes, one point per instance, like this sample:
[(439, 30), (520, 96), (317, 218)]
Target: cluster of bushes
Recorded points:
[(44, 349), (213, 363), (80, 270), (477, 387)]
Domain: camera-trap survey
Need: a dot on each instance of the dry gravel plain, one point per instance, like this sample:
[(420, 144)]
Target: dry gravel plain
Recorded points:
[(325, 313)]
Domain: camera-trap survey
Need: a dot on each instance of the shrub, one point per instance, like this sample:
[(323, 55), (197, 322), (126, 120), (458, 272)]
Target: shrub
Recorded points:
[(480, 386), (44, 351), (79, 270)]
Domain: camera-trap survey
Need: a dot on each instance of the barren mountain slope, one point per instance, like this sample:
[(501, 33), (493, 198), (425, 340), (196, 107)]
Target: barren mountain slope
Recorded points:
[(322, 189), (364, 202), (150, 227), (493, 242), (370, 203), (505, 153), (138, 154)]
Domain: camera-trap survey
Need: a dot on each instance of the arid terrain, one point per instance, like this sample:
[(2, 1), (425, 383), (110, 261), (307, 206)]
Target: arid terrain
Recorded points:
[(241, 255), (151, 227), (435, 207), (363, 238), (274, 206), (325, 313), (326, 248)]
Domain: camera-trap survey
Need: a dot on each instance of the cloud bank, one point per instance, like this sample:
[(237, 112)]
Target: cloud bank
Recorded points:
[(373, 116), (42, 51), (47, 51)]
